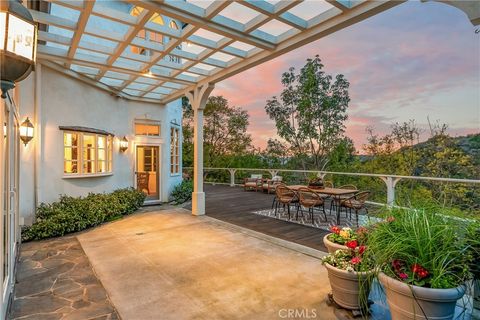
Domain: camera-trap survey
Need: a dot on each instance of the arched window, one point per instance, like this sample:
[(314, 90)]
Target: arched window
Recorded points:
[(150, 35), (173, 25)]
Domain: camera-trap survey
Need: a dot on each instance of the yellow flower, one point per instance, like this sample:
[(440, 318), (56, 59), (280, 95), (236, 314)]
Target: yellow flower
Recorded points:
[(344, 234)]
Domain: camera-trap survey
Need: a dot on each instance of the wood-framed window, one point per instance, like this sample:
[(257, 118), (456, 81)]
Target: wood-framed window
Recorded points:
[(147, 35), (87, 154), (147, 128), (174, 150)]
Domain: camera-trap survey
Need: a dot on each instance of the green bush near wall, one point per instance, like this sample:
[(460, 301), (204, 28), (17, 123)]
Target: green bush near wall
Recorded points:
[(182, 192), (71, 214)]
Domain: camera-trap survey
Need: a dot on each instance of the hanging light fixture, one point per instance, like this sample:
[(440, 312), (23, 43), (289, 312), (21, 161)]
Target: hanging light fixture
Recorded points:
[(26, 131), (18, 44), (123, 144)]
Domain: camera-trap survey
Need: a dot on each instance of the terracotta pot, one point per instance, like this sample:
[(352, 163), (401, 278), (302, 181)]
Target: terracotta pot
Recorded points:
[(332, 246), (349, 289), (438, 304)]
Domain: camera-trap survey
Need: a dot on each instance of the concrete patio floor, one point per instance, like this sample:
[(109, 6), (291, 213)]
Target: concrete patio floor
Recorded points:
[(172, 265)]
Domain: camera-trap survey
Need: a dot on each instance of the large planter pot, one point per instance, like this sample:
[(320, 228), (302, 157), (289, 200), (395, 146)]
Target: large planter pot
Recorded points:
[(332, 246), (438, 304), (350, 289)]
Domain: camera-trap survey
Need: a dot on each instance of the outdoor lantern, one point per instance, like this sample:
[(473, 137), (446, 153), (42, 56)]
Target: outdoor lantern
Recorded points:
[(17, 44), (26, 131), (123, 144)]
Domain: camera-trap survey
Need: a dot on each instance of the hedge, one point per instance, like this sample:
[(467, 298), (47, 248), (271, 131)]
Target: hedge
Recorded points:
[(182, 192), (71, 214)]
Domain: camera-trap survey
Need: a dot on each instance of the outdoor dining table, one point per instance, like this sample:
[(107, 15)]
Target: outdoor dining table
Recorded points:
[(336, 194)]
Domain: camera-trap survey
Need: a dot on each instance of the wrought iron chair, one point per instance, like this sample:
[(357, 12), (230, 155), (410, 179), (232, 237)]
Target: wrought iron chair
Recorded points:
[(310, 200), (284, 196), (355, 202)]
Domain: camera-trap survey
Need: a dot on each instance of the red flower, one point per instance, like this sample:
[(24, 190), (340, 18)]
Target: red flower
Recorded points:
[(361, 249), (390, 219), (403, 275), (356, 260), (397, 265), (352, 244), (420, 271), (416, 267), (335, 229), (423, 274)]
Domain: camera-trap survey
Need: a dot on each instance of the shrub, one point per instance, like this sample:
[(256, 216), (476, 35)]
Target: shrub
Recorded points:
[(422, 248), (182, 192), (71, 214)]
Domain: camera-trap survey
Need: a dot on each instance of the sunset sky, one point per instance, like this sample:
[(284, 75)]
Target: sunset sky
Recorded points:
[(414, 61)]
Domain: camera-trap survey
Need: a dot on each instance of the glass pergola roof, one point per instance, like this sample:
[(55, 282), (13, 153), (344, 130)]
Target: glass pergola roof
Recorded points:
[(92, 40)]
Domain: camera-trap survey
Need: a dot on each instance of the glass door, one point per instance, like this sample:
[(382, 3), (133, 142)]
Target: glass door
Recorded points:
[(147, 175), (5, 219)]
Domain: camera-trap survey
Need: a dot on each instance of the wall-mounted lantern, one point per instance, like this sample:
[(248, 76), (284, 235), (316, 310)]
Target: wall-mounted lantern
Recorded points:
[(123, 144), (18, 44), (26, 131)]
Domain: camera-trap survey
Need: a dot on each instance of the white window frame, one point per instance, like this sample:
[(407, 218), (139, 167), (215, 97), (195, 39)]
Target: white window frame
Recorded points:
[(175, 152), (108, 155)]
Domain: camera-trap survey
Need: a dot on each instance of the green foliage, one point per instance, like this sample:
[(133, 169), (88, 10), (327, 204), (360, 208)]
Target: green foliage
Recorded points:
[(182, 192), (71, 214), (421, 239), (310, 112), (225, 131)]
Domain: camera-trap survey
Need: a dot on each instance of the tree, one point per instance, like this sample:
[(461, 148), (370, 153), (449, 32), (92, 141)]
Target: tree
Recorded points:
[(225, 131), (310, 112)]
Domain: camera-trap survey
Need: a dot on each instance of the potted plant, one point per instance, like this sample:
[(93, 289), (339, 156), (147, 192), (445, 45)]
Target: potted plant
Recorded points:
[(316, 183), (337, 239), (349, 272), (423, 263)]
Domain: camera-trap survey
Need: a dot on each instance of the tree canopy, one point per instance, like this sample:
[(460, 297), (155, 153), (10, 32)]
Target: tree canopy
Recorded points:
[(310, 112)]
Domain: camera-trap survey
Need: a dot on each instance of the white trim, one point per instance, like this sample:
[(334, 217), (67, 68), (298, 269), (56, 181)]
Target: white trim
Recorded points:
[(90, 175)]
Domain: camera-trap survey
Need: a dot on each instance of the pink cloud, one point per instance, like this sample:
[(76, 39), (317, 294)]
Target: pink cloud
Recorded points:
[(400, 60)]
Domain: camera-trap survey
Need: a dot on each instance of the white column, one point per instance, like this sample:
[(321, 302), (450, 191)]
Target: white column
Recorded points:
[(391, 182), (232, 177), (198, 99)]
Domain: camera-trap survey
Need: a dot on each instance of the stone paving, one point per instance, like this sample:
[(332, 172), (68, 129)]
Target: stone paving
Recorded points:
[(56, 281)]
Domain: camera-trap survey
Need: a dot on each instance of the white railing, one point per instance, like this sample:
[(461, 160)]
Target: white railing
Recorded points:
[(389, 180)]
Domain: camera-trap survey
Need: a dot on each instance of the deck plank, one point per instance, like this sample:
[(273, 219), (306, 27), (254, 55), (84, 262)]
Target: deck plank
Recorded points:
[(235, 206)]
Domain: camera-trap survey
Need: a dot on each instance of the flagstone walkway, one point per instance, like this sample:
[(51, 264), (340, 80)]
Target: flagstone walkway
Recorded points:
[(56, 281)]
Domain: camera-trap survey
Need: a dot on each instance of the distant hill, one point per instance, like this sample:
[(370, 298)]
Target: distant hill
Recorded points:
[(470, 144)]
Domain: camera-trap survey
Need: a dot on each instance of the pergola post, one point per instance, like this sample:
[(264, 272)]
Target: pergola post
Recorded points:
[(198, 99)]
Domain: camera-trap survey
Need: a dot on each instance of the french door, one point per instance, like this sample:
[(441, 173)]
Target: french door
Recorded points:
[(9, 169), (147, 171)]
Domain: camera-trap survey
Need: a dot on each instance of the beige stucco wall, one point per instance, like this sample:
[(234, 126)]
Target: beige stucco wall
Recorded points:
[(66, 101)]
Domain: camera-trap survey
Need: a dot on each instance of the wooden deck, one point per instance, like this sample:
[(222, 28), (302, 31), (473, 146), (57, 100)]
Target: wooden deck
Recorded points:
[(235, 206)]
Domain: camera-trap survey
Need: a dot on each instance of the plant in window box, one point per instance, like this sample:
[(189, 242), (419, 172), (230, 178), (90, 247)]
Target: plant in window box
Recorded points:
[(337, 239), (350, 274), (423, 262)]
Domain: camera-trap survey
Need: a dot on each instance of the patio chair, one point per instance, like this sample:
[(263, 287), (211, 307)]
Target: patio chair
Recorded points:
[(142, 181), (254, 182), (284, 196), (311, 200), (333, 203), (271, 184), (355, 202)]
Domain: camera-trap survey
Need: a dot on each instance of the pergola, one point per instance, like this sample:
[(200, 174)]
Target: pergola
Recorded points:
[(218, 39)]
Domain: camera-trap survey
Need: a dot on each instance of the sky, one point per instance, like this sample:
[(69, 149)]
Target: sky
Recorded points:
[(414, 61)]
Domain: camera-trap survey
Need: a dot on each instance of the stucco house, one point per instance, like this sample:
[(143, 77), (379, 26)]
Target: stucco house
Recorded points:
[(86, 139), (80, 129)]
